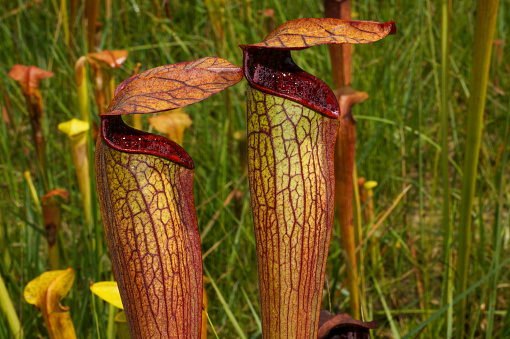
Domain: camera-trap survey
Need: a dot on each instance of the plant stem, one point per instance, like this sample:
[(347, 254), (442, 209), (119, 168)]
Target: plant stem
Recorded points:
[(77, 132), (80, 74), (345, 150), (340, 54), (51, 210), (445, 49), (444, 120), (91, 9), (344, 167), (72, 18), (33, 191), (366, 200), (65, 20), (485, 27), (112, 312), (6, 257), (358, 236), (8, 310), (498, 229)]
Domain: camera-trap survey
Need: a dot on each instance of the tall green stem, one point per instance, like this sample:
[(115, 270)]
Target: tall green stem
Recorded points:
[(498, 227), (484, 33), (358, 237), (65, 20), (445, 49), (444, 119), (7, 309)]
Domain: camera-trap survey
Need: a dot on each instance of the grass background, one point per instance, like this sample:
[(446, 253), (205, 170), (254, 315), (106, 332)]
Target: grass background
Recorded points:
[(398, 140)]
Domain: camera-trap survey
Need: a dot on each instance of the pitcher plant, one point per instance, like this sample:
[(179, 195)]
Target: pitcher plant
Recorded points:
[(145, 183)]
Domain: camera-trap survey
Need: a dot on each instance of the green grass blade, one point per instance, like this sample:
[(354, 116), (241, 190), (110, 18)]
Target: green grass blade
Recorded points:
[(484, 34), (445, 175), (394, 329), (252, 309), (226, 308), (443, 309), (499, 227)]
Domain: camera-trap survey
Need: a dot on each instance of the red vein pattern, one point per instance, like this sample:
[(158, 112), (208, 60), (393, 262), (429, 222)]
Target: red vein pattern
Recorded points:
[(145, 185), (291, 174), (173, 86), (150, 223), (304, 33)]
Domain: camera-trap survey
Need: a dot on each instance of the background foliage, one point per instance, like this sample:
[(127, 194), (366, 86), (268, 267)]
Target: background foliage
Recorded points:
[(398, 140)]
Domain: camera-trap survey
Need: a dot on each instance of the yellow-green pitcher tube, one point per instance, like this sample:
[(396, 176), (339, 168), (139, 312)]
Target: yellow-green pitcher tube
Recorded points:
[(290, 158), (291, 131), (77, 133)]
